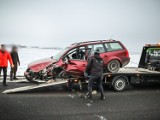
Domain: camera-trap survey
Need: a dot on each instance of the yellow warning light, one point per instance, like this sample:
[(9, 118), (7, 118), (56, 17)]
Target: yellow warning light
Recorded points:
[(158, 44), (147, 44)]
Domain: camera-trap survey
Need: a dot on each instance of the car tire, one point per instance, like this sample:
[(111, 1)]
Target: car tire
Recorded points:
[(113, 66), (120, 83)]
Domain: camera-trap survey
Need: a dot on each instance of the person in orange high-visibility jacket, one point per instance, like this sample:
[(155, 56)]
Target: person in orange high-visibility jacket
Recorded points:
[(4, 58)]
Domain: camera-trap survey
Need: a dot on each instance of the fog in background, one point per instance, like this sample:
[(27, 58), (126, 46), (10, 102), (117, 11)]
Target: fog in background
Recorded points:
[(58, 23)]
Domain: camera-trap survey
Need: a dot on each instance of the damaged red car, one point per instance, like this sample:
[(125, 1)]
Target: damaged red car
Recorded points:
[(72, 61)]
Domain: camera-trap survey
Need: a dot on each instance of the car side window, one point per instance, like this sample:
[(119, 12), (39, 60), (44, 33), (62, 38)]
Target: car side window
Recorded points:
[(78, 53), (70, 53), (113, 46), (96, 47)]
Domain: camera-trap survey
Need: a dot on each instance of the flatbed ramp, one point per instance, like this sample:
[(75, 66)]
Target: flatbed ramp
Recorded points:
[(31, 87), (20, 81)]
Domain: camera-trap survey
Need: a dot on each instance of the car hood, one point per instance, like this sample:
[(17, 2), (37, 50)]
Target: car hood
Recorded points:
[(41, 64)]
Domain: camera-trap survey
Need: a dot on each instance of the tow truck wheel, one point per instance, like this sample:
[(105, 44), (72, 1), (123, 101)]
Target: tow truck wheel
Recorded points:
[(113, 66), (120, 83)]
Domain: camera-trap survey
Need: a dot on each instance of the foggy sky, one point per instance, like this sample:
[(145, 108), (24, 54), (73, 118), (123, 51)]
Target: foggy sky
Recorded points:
[(59, 23)]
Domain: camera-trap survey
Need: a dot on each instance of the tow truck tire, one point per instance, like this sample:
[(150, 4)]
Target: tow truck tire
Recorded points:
[(119, 83), (113, 66)]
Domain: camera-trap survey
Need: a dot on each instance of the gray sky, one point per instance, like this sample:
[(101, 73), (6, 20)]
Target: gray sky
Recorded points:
[(62, 22)]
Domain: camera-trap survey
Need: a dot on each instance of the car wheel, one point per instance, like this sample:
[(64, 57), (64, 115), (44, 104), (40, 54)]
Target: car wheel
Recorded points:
[(119, 83), (113, 66)]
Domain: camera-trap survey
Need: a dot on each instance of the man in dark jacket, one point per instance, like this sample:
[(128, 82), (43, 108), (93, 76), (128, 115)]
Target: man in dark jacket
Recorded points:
[(94, 71), (16, 62), (4, 58)]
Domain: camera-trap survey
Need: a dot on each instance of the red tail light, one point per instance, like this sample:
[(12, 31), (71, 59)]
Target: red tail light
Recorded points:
[(127, 53)]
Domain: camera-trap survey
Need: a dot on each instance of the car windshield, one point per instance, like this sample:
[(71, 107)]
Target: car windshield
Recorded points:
[(57, 56)]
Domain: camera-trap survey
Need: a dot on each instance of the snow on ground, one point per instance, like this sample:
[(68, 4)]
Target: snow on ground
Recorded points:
[(134, 59), (28, 55)]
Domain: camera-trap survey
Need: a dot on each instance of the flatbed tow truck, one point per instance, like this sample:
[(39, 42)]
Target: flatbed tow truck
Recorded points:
[(148, 70)]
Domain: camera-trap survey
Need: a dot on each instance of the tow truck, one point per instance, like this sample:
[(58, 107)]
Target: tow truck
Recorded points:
[(148, 70)]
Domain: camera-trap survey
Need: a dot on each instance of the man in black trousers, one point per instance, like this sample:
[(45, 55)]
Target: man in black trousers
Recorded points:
[(94, 71), (16, 62)]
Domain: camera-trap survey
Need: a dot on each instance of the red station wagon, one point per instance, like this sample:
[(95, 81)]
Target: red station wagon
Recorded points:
[(73, 60)]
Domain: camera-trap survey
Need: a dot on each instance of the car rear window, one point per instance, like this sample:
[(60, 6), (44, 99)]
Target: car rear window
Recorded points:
[(154, 53), (113, 46)]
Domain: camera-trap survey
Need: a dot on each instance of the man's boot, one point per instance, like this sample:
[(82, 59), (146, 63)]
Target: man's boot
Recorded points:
[(102, 94), (4, 82), (102, 97), (89, 97), (15, 78)]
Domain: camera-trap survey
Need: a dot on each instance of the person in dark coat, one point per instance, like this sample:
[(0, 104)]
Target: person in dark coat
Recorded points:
[(4, 58), (16, 62), (94, 71)]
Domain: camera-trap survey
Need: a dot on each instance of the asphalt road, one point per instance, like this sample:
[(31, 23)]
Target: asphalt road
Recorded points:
[(55, 103)]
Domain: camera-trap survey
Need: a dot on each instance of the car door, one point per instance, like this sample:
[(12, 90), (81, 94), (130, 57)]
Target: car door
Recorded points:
[(77, 61)]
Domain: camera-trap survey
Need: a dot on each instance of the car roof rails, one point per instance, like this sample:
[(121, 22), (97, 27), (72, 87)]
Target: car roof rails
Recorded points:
[(92, 41)]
